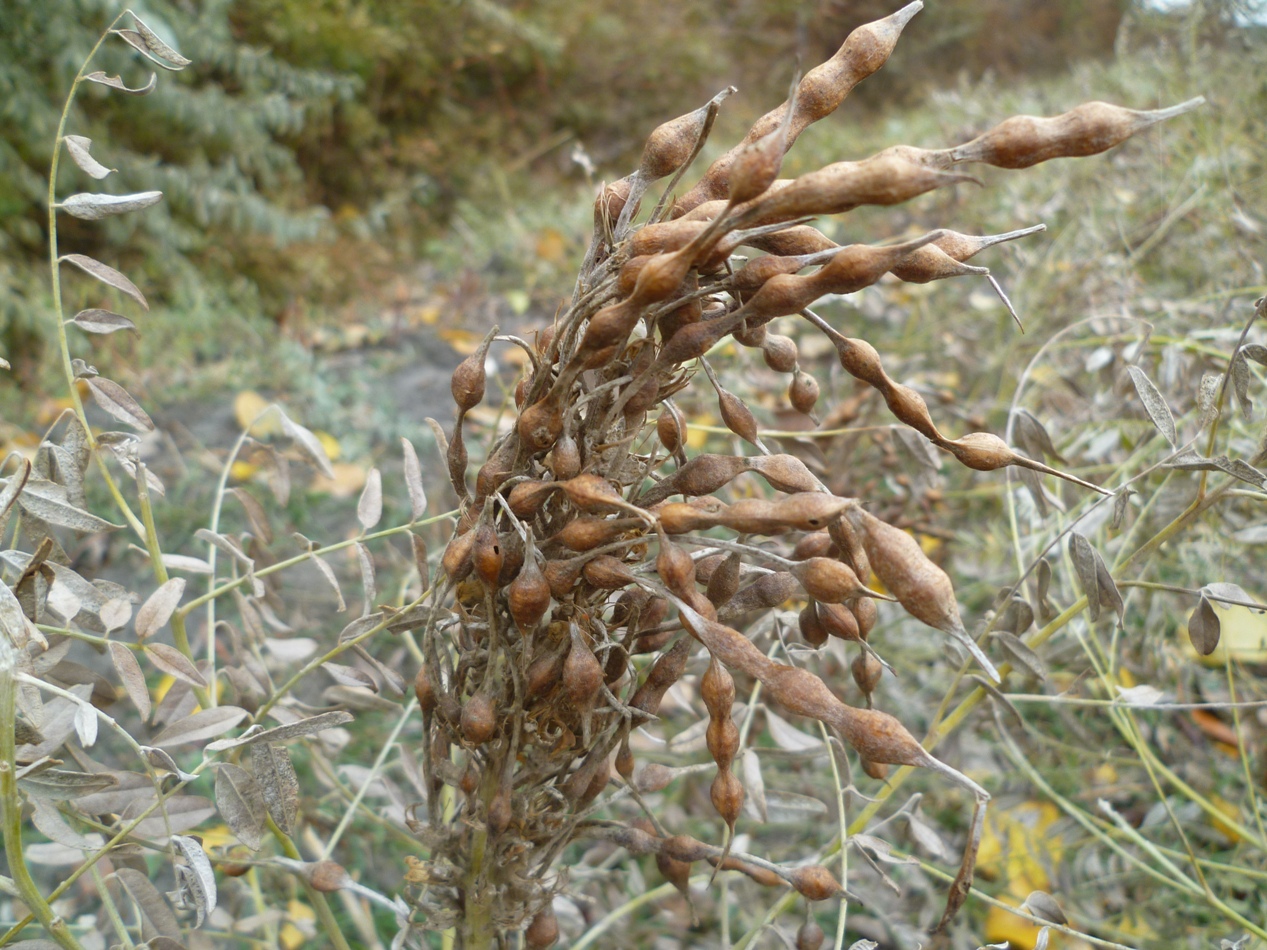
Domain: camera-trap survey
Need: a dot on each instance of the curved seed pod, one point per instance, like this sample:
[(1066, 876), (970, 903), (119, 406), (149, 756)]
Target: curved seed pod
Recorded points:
[(625, 760), (932, 263), (629, 607), (664, 237), (582, 676), (479, 719), (690, 312), (792, 242), (670, 145), (812, 630), (424, 690), (866, 613), (521, 390), (608, 331), (830, 581), (810, 936), (486, 554), (457, 557), (681, 517), (457, 461), (527, 498), (737, 417), (543, 932), (467, 384), (675, 567), (786, 473), (780, 352), (562, 576), (528, 595), (540, 425), (819, 93), (839, 621), (802, 393), (751, 337), (677, 873), (756, 163), (867, 671), (752, 276), (608, 573), (666, 671), (798, 511), (610, 204), (543, 672), (1088, 129), (564, 460), (500, 810), (963, 246), (585, 534), (850, 547), (766, 592), (919, 585), (670, 428), (877, 770), (724, 582), (706, 567), (702, 475)]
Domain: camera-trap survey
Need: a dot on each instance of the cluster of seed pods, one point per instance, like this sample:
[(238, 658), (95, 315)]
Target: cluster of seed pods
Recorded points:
[(595, 556)]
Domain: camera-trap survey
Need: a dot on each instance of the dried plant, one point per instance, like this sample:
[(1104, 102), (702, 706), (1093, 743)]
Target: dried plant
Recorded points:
[(574, 591)]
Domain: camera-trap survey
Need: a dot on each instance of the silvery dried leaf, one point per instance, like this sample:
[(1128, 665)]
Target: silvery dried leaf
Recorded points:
[(226, 545), (1016, 617), (328, 573), (1204, 628), (1110, 596), (1240, 385), (1041, 904), (1044, 938), (1208, 397), (79, 148), (203, 725), (1085, 560), (174, 663), (369, 508), (114, 82), (413, 480), (149, 902), (998, 697), (49, 502), (349, 675), (156, 45), (754, 785), (200, 882), (184, 813), (368, 582), (48, 819), (927, 838), (1223, 591), (793, 806), (864, 945), (158, 608), (119, 403), (107, 275), (1121, 501), (81, 370), (787, 736), (1033, 437), (13, 486), (310, 444), (1154, 404), (163, 762), (442, 440), (1033, 483), (360, 627), (58, 785), (86, 724), (1021, 655), (101, 321), (138, 42), (182, 562), (93, 207), (255, 514), (241, 803), (273, 770)]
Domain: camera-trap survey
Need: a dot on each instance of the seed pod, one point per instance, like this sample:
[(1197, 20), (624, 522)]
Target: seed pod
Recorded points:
[(932, 263), (666, 671), (814, 544), (780, 352), (564, 460), (726, 794), (685, 848), (479, 719), (671, 143), (961, 247), (625, 760), (675, 567), (665, 237), (582, 673), (702, 475), (690, 312), (543, 672), (1092, 127), (756, 164), (528, 595), (608, 328), (793, 242), (810, 936), (500, 811), (669, 428), (486, 554), (982, 451), (839, 621), (521, 390), (470, 779), (607, 573), (849, 545), (677, 873), (803, 392), (592, 493), (724, 582), (528, 498), (717, 689), (812, 630), (909, 406), (766, 592), (541, 424), (750, 336), (424, 690), (496, 469), (763, 876), (326, 876), (786, 473), (585, 534), (457, 459), (610, 204), (543, 932), (919, 585), (867, 671), (877, 770), (860, 360), (456, 559), (467, 384), (866, 613), (815, 883), (561, 576)]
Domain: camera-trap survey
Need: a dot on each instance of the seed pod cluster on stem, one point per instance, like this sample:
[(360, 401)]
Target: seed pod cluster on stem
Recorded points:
[(598, 552)]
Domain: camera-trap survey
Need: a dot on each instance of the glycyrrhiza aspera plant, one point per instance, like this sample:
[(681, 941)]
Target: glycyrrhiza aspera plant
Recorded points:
[(593, 562)]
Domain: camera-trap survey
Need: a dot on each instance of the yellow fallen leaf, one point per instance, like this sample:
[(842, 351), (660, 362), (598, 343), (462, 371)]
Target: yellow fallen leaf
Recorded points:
[(1016, 847), (465, 342), (243, 471), (697, 438), (247, 406), (348, 480), (1222, 827), (329, 443), (300, 926)]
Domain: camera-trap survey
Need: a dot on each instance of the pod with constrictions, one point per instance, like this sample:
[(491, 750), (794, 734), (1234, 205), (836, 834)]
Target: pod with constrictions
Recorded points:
[(467, 387), (717, 689)]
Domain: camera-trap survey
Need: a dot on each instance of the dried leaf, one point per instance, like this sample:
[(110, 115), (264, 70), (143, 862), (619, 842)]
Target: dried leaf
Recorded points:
[(1085, 560), (1154, 404), (754, 784), (86, 724), (1192, 462), (1110, 596), (310, 444), (48, 819), (200, 881), (182, 562), (158, 609), (1020, 654), (1016, 617), (1033, 483), (879, 849), (114, 82), (413, 480), (997, 695), (107, 275), (1204, 628), (1121, 501), (206, 724), (369, 509), (241, 803), (93, 207), (284, 733), (787, 736), (255, 514), (163, 762), (149, 901), (442, 440), (119, 403), (1240, 385), (184, 813), (174, 663), (368, 583), (273, 770), (1041, 904), (13, 486), (226, 545), (328, 573), (58, 785), (49, 502), (1033, 437), (138, 42), (927, 838), (79, 148), (156, 45)]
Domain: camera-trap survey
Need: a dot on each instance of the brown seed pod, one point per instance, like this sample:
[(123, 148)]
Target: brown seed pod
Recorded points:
[(582, 673), (792, 242), (724, 582), (815, 883), (543, 932), (564, 460), (563, 575), (717, 689), (467, 384), (500, 810), (785, 473), (810, 936), (726, 794), (585, 534), (867, 671), (521, 390), (607, 573), (1092, 127), (666, 237), (608, 328), (666, 671), (802, 393), (849, 547), (528, 498), (528, 595), (456, 559), (592, 493), (814, 544), (766, 592), (982, 451), (812, 630), (877, 770), (670, 428), (675, 567), (486, 555), (670, 145), (750, 336), (541, 424), (961, 247), (702, 475), (677, 873), (326, 876), (543, 672), (479, 719), (424, 690), (780, 352), (457, 459), (932, 263), (839, 621), (610, 203), (866, 613), (497, 468), (625, 760)]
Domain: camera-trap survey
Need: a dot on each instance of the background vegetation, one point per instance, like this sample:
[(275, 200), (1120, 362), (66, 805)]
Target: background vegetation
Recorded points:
[(350, 184)]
